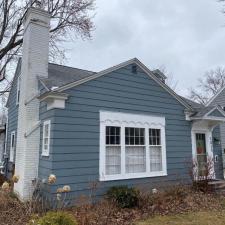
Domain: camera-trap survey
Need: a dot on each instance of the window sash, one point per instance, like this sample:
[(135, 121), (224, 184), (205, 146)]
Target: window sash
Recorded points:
[(46, 138)]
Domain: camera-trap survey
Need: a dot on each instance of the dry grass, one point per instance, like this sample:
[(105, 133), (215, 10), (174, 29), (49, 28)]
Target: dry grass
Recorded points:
[(12, 211), (176, 201), (198, 218)]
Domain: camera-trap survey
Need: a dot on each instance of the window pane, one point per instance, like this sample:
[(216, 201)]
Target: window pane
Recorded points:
[(13, 141), (112, 135), (155, 159), (135, 159), (131, 132), (46, 141), (154, 137), (46, 130), (113, 160), (134, 136), (112, 140), (107, 140), (117, 140)]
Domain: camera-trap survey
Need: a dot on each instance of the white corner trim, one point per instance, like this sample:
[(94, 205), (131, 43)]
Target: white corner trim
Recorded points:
[(111, 69), (131, 120)]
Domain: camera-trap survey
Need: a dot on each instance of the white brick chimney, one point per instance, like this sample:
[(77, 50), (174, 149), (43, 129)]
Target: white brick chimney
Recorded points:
[(34, 64)]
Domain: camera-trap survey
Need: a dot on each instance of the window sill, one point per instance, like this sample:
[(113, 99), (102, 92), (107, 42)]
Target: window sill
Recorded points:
[(132, 176), (44, 155)]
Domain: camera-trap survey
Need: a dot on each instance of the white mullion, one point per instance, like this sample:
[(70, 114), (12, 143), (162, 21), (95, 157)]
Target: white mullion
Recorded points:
[(102, 150), (123, 150), (147, 149), (163, 150)]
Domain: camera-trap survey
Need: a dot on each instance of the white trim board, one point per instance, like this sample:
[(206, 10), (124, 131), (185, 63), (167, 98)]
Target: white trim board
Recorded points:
[(121, 65)]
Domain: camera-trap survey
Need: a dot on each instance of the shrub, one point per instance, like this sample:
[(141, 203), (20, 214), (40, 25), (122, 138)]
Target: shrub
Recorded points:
[(125, 197), (54, 218)]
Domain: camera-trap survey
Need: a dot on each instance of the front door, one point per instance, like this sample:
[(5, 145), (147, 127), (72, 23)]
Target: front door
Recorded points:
[(201, 154)]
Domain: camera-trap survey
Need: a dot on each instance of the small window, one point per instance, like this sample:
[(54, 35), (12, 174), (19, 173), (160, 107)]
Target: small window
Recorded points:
[(12, 146), (46, 138), (18, 90)]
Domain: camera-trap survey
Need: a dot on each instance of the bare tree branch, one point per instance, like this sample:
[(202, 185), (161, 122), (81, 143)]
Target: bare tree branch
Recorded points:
[(208, 86), (68, 17)]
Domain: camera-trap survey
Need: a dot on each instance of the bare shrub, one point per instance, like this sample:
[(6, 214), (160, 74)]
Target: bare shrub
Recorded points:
[(200, 179)]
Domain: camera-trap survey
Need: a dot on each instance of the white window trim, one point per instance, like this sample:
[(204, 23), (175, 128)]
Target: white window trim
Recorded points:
[(18, 90), (12, 149), (44, 151), (131, 120)]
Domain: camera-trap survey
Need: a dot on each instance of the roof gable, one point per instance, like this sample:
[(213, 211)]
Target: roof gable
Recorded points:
[(121, 65), (218, 98), (215, 112), (209, 112)]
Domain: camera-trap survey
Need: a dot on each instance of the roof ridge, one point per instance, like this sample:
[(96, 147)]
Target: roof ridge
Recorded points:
[(71, 67)]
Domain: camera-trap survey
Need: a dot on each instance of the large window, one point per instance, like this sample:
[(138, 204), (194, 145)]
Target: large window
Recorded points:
[(131, 146), (46, 138)]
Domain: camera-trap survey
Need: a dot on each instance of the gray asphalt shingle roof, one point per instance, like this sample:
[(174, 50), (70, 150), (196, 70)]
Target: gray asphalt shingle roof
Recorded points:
[(59, 75)]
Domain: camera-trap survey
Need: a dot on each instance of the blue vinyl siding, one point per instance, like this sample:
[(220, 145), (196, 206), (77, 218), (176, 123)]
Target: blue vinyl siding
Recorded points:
[(75, 130), (12, 115)]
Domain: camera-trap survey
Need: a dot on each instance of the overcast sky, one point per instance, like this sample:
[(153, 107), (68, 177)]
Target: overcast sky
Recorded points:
[(186, 36)]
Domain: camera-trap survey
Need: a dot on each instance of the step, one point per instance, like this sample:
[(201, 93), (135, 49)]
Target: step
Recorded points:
[(216, 182)]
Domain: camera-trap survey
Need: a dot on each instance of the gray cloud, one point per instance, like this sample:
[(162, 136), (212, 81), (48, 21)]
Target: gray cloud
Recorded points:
[(185, 36)]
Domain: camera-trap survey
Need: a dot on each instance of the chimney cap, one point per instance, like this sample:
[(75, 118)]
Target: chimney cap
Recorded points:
[(158, 73)]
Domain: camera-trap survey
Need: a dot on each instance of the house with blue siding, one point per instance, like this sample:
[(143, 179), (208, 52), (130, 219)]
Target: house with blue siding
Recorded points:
[(119, 126)]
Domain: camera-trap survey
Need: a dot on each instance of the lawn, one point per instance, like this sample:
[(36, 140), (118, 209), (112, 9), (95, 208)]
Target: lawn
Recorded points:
[(198, 218)]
